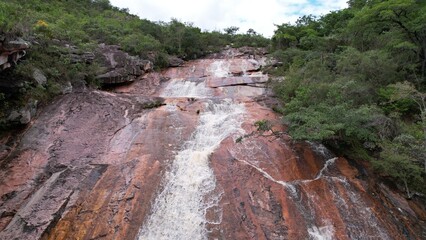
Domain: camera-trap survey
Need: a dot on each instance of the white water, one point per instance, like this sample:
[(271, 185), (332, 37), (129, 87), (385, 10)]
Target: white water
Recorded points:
[(179, 211), (189, 187), (321, 233), (220, 68), (325, 167), (182, 88)]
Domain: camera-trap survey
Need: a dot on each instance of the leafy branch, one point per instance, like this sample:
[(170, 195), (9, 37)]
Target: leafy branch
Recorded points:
[(262, 128)]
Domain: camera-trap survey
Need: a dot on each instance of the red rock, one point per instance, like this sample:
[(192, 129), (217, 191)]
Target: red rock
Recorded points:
[(92, 165)]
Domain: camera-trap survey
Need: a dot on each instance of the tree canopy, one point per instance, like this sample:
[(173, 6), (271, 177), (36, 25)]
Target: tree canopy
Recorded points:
[(355, 80)]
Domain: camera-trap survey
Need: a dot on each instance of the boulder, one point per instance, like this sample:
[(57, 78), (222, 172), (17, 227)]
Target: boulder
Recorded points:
[(175, 61), (14, 45), (118, 66), (4, 150), (148, 66), (67, 88), (86, 57), (39, 77), (24, 115), (11, 51)]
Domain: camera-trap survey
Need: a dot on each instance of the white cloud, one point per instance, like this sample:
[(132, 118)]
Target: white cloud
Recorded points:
[(219, 14)]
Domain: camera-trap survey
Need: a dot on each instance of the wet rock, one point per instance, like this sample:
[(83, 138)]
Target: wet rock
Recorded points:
[(235, 81), (146, 85), (88, 162)]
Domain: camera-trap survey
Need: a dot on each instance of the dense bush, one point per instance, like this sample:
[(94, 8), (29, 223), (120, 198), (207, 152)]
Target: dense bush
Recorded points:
[(355, 80)]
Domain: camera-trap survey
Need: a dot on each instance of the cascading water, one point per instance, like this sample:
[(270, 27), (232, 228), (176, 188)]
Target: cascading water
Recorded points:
[(181, 88), (179, 211), (190, 194)]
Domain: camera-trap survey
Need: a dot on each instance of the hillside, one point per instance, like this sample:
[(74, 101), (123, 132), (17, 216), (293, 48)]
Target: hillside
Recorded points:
[(60, 40), (355, 79), (115, 124)]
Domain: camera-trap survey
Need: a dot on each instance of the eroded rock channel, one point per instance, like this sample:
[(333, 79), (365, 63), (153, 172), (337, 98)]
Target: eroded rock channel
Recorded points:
[(158, 159)]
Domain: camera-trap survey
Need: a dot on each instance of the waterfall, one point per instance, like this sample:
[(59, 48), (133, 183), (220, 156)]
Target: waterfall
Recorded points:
[(179, 210)]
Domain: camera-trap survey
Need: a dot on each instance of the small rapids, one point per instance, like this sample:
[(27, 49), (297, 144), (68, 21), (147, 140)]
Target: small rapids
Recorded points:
[(179, 210), (179, 88)]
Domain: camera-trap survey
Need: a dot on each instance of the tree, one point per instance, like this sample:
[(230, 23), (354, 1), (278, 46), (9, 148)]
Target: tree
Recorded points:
[(404, 19), (406, 90), (251, 32), (397, 161), (357, 4), (231, 30)]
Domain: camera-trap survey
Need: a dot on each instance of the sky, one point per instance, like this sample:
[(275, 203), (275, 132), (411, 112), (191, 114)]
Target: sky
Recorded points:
[(260, 15)]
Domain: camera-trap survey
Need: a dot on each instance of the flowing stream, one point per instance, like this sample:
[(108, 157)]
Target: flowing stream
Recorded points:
[(190, 89), (179, 211)]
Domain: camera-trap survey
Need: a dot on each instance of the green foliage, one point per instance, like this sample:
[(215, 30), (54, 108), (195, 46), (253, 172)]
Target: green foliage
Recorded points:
[(263, 129), (355, 80), (390, 104), (91, 22), (263, 125), (399, 160), (231, 30), (153, 104), (139, 44)]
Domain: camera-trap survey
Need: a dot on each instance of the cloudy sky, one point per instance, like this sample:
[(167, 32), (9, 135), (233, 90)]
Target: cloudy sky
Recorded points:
[(261, 15)]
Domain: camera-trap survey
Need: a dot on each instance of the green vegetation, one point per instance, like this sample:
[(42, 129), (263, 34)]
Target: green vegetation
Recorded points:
[(85, 23), (264, 128), (52, 25), (355, 79)]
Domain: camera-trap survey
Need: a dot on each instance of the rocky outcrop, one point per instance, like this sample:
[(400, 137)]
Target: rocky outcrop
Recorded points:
[(57, 170), (118, 66), (243, 52), (23, 115), (11, 51), (77, 56)]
